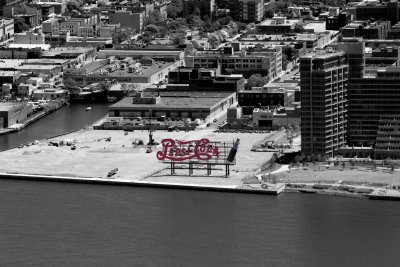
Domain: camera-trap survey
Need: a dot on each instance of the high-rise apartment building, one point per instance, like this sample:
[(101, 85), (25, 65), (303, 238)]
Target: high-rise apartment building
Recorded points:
[(246, 10), (324, 77)]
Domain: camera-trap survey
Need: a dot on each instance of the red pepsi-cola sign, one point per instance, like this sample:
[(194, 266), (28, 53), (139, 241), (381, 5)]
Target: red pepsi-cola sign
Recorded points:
[(176, 150)]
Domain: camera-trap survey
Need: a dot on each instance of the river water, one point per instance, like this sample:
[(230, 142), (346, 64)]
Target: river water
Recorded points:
[(56, 224), (67, 119)]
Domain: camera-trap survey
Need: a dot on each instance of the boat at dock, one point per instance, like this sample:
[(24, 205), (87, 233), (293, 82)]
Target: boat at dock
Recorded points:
[(308, 191), (384, 196)]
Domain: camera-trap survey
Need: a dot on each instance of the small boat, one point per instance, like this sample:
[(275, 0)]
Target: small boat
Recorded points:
[(88, 108), (112, 172), (308, 191)]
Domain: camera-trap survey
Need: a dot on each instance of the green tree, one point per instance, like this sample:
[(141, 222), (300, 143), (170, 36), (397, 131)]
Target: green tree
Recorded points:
[(232, 28), (73, 5), (153, 18), (70, 84), (299, 27), (101, 3), (178, 39), (125, 35), (256, 80), (214, 40), (104, 86), (20, 25), (153, 29), (196, 45), (197, 22), (197, 12), (175, 8)]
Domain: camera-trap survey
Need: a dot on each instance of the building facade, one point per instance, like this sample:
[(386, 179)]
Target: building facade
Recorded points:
[(324, 78), (246, 10), (6, 28), (127, 19), (267, 62)]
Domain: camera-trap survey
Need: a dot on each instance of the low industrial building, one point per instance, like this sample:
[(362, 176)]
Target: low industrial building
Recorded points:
[(124, 51), (51, 93), (194, 79), (277, 25), (124, 71), (9, 76), (265, 61), (264, 96), (176, 105), (13, 112), (276, 118)]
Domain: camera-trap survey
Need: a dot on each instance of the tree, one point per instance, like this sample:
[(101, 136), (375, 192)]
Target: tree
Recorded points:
[(101, 3), (178, 39), (125, 35), (232, 28), (197, 12), (197, 22), (153, 29), (70, 83), (104, 86), (298, 27), (174, 8), (189, 50), (153, 18), (73, 5), (269, 13), (20, 25), (196, 45), (256, 80), (224, 20), (214, 40)]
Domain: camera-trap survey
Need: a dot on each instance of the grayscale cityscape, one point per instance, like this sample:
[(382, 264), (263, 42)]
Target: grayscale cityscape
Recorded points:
[(199, 132)]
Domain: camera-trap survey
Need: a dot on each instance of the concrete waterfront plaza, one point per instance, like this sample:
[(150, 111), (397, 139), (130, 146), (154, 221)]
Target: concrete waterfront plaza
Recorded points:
[(94, 157)]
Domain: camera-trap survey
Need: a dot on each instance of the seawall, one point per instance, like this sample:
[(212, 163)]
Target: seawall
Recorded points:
[(115, 182)]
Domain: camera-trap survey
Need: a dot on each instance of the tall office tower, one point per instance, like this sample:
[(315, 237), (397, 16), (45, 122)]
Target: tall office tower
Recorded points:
[(324, 77), (246, 10), (355, 58), (388, 137), (370, 97)]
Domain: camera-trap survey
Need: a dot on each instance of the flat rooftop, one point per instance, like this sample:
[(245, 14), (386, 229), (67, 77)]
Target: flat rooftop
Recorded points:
[(6, 106), (176, 101), (67, 50), (323, 54), (272, 22), (146, 71), (7, 73)]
